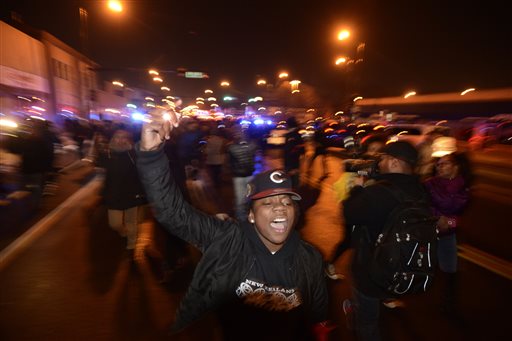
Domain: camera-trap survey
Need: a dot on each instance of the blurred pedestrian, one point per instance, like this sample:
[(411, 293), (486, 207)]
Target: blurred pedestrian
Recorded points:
[(123, 193), (371, 149), (242, 154), (189, 151), (37, 154), (293, 150), (449, 191), (215, 151), (367, 210), (426, 160), (261, 278)]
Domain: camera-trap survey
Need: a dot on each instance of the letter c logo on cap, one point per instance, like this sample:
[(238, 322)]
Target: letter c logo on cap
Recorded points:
[(277, 177)]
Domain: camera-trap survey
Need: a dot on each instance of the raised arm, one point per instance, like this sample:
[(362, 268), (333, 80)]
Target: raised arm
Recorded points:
[(171, 209)]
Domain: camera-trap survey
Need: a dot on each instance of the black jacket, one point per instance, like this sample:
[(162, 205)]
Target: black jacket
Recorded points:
[(293, 149), (241, 158), (227, 252), (122, 188), (367, 208)]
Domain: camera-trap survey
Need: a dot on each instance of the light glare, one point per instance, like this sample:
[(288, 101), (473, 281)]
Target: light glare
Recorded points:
[(409, 94), (466, 91), (343, 34), (115, 6)]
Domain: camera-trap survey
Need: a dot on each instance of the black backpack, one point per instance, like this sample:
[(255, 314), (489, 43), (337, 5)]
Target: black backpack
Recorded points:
[(405, 253)]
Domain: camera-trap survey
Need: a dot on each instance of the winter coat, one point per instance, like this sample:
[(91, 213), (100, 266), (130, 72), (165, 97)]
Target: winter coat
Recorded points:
[(293, 149), (122, 188), (367, 208), (448, 197), (242, 158), (227, 253)]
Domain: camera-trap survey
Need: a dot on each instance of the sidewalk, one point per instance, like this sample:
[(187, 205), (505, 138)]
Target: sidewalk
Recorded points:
[(19, 212)]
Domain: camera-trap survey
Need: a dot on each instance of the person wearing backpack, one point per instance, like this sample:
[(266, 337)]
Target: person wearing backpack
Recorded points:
[(367, 210)]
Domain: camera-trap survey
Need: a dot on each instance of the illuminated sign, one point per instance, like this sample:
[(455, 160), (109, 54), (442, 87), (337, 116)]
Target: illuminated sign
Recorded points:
[(195, 74)]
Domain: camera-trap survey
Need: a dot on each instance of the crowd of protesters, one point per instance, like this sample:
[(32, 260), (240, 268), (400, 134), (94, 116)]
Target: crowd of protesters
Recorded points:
[(224, 153)]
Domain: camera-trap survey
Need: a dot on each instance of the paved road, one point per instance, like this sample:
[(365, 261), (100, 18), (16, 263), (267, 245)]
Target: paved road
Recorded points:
[(76, 282)]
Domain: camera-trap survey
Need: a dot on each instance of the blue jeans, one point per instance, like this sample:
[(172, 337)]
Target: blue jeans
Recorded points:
[(447, 253), (366, 316)]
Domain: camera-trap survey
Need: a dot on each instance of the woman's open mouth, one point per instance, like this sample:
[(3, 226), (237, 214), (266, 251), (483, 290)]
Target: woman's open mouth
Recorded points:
[(279, 224)]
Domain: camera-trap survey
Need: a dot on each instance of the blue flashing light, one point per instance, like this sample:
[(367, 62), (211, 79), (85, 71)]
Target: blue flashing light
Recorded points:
[(137, 116), (269, 122), (94, 116), (258, 121), (245, 122)]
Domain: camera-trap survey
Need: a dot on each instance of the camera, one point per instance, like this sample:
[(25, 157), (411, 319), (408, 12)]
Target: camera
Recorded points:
[(368, 167)]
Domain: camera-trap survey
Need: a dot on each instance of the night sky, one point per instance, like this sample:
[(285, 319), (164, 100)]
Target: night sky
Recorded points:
[(429, 46)]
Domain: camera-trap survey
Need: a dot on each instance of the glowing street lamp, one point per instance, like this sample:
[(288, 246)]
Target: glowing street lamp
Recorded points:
[(357, 98), (224, 83), (115, 6), (409, 94), (153, 72), (294, 86), (158, 79), (343, 34), (208, 91), (466, 91), (340, 60), (261, 82), (165, 88), (117, 83)]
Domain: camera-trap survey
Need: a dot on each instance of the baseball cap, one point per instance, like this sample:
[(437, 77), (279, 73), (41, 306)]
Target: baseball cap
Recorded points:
[(269, 183), (401, 150), (443, 146)]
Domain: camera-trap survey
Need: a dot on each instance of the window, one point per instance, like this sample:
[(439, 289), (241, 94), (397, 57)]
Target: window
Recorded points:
[(61, 70)]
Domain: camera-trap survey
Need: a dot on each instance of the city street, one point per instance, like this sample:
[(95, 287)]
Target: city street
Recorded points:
[(75, 281)]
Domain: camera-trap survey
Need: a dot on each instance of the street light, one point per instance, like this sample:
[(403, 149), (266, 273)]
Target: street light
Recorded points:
[(343, 34), (115, 6), (341, 60), (294, 86), (466, 91), (261, 82), (283, 75), (224, 84), (409, 94)]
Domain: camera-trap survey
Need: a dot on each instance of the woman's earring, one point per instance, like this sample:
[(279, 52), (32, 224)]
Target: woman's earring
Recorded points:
[(251, 220)]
